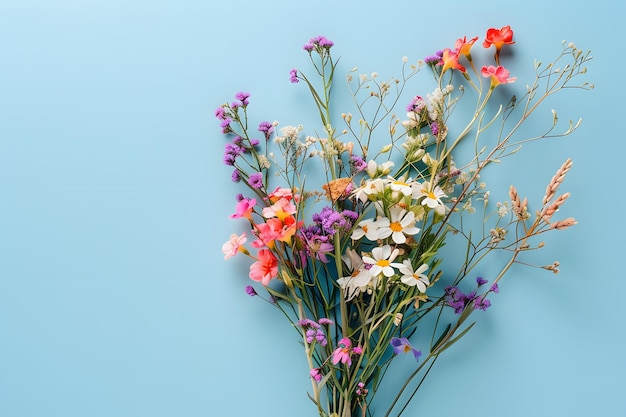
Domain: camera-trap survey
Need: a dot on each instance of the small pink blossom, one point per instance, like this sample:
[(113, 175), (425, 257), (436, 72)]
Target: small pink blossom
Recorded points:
[(244, 209), (282, 208), (233, 246), (281, 192), (344, 352), (316, 374), (499, 75)]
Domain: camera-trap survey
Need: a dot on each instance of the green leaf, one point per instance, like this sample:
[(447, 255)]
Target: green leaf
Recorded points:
[(443, 334), (456, 338)]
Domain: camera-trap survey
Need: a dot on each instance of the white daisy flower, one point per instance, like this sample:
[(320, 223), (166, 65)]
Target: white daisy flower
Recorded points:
[(414, 277), (381, 261)]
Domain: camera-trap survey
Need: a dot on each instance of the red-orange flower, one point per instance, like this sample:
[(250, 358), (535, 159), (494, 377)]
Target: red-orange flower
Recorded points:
[(498, 38), (463, 46), (450, 60)]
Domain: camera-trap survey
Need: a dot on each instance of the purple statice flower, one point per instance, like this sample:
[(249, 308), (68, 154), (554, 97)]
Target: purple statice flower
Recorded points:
[(417, 104), (456, 299), (319, 43), (267, 129), (323, 42), (434, 59), (494, 288), (254, 142), (229, 159), (308, 232), (402, 345), (357, 164), (361, 390), (243, 98), (239, 197), (233, 149), (320, 337), (235, 176), (481, 303), (434, 127), (225, 125), (350, 215), (235, 105), (231, 152), (312, 331), (305, 323), (256, 180), (331, 221), (220, 113), (325, 322), (481, 281), (251, 291), (293, 76), (319, 217)]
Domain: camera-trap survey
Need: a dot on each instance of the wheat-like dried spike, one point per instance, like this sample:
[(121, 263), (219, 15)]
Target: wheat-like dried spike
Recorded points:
[(563, 224), (515, 201), (556, 181), (552, 208)]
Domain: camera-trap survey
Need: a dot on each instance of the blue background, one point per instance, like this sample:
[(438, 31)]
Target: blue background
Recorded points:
[(114, 297)]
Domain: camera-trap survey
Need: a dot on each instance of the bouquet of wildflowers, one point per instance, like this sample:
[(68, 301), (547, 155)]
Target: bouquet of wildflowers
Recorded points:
[(352, 254)]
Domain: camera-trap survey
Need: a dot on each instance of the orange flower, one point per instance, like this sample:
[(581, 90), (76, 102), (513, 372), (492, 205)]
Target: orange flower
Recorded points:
[(498, 38), (450, 60), (463, 46)]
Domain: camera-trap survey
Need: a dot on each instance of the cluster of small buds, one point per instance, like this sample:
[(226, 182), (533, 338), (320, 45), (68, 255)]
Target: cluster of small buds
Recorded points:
[(497, 235), (361, 391), (554, 267), (502, 208)]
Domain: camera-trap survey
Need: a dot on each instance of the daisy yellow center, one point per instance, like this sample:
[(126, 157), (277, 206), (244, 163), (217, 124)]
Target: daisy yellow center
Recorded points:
[(407, 348), (364, 229), (383, 263), (395, 226), (432, 195)]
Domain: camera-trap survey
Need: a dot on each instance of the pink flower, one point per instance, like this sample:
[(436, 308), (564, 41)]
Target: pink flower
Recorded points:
[(344, 352), (316, 374), (275, 229), (244, 209), (282, 208), (265, 269), (230, 248), (279, 193), (499, 75)]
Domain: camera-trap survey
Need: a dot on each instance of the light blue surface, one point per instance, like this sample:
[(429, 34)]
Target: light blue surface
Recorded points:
[(114, 297)]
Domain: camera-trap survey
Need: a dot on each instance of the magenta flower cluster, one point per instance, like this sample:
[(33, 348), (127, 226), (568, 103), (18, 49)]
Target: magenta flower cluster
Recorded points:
[(318, 43)]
